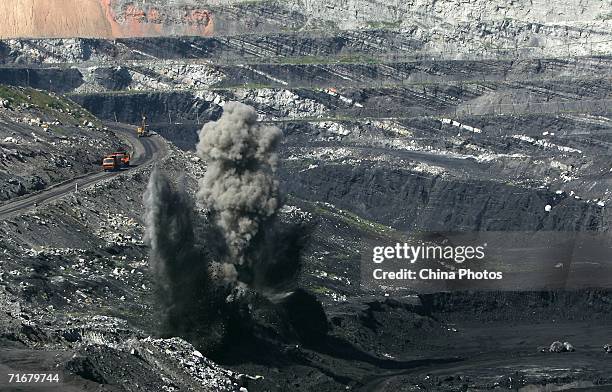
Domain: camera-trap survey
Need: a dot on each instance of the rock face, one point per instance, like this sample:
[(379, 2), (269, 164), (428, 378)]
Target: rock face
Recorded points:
[(451, 19), (100, 18), (355, 13), (157, 18)]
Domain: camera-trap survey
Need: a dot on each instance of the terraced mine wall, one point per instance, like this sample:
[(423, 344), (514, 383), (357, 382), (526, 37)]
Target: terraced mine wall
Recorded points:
[(160, 108), (52, 79), (413, 202), (123, 18), (402, 199), (177, 116)]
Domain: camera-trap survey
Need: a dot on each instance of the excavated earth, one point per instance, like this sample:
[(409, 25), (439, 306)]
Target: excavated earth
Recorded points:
[(475, 119)]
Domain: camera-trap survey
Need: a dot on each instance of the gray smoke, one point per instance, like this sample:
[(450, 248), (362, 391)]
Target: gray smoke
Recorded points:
[(181, 273), (169, 229), (239, 186), (211, 276)]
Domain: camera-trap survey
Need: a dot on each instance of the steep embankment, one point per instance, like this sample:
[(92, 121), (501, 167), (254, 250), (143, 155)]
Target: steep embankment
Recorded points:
[(40, 18)]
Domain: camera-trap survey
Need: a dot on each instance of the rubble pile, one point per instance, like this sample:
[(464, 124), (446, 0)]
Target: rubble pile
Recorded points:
[(558, 347), (178, 354), (119, 229)]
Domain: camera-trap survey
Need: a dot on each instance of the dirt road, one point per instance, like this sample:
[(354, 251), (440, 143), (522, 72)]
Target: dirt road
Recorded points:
[(144, 151)]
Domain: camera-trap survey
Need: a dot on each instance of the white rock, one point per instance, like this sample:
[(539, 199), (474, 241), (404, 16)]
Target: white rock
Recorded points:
[(548, 208), (556, 347)]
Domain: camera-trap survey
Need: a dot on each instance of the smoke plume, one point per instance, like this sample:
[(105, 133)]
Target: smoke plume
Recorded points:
[(225, 275), (169, 229), (180, 271), (239, 186)]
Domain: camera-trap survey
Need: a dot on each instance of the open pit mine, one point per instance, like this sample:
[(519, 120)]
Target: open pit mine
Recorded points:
[(191, 192)]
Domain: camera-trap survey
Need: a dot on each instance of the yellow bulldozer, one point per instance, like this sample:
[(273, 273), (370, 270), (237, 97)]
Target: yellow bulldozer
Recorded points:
[(143, 129)]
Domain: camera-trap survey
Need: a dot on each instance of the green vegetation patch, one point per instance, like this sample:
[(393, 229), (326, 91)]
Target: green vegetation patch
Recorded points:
[(348, 217), (355, 220), (47, 103)]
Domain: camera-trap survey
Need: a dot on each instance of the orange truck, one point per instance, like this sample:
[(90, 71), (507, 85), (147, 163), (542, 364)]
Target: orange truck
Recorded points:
[(116, 161), (111, 163), (123, 157)]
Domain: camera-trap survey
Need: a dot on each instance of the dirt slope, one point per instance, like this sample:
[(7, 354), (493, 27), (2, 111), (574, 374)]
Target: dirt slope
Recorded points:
[(40, 18)]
